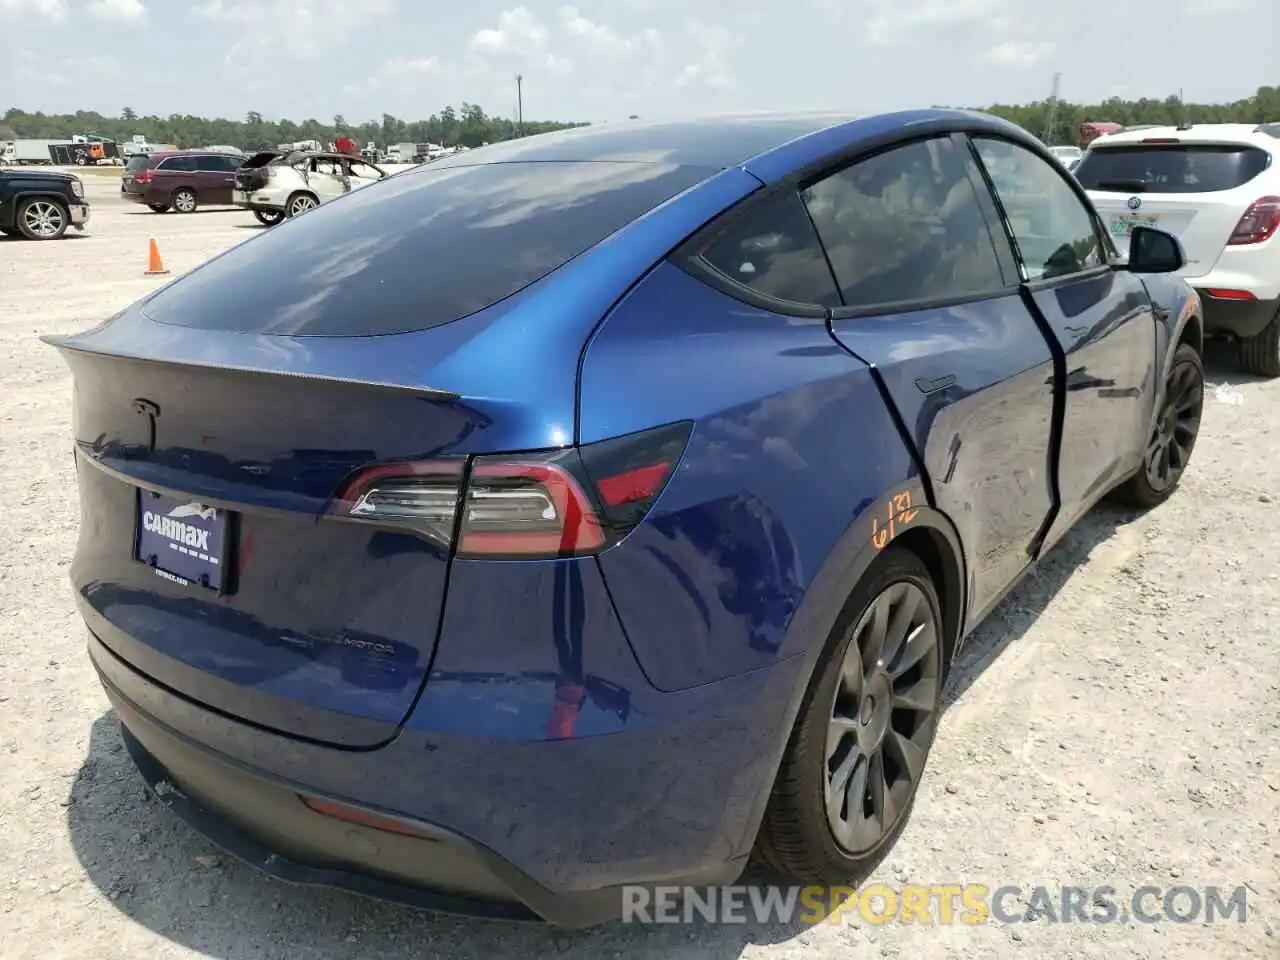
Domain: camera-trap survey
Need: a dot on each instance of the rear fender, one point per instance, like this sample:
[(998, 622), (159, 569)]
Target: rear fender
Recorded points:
[(900, 518)]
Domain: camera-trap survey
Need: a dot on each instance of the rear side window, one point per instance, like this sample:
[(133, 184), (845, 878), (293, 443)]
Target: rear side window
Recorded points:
[(904, 226), (1172, 168), (417, 250), (774, 251), (136, 163), (178, 164)]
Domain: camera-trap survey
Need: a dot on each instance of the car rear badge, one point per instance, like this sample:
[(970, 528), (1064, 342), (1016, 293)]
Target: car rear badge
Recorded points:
[(1135, 203)]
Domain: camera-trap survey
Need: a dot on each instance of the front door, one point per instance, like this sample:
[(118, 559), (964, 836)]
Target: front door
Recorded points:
[(932, 301), (1102, 319)]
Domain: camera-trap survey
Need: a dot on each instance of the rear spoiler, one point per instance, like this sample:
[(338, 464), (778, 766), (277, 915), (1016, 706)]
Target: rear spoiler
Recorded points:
[(73, 344)]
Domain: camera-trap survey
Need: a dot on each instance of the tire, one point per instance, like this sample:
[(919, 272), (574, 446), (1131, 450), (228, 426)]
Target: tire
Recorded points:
[(299, 203), (1180, 411), (42, 218), (159, 207), (184, 201), (1260, 354), (269, 218), (798, 837)]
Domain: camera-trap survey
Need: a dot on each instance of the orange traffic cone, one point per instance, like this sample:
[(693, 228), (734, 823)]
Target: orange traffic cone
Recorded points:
[(155, 266)]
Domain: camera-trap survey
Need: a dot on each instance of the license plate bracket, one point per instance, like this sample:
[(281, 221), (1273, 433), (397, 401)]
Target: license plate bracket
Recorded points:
[(183, 541)]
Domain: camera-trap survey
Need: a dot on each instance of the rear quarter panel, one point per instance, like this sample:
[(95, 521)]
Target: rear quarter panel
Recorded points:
[(793, 455)]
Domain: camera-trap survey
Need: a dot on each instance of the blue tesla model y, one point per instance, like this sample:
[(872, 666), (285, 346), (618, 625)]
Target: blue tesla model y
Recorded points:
[(605, 507)]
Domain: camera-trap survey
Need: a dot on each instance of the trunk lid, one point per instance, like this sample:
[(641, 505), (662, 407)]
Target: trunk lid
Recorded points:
[(252, 174), (206, 561)]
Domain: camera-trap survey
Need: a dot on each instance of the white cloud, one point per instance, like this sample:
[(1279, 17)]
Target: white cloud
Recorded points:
[(64, 71), (1208, 8), (52, 11), (117, 11), (272, 30), (603, 41), (401, 73), (520, 41), (1018, 53), (710, 71)]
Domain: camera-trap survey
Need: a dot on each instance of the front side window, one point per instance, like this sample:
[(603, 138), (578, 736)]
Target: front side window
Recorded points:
[(773, 250), (904, 226), (1053, 229)]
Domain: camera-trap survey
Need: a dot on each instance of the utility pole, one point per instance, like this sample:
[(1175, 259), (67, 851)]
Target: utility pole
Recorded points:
[(1051, 122), (520, 103)]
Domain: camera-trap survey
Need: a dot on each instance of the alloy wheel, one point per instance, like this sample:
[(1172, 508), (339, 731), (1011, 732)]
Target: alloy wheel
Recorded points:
[(43, 218), (300, 205), (1174, 435), (883, 717), (184, 202)]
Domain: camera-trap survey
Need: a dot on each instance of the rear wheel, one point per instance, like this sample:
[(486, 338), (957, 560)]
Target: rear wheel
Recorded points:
[(184, 201), (1260, 355), (41, 218), (300, 203), (855, 758), (269, 218), (1173, 435)]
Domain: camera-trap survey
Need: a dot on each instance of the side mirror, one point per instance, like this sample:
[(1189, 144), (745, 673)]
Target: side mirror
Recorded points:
[(1154, 251)]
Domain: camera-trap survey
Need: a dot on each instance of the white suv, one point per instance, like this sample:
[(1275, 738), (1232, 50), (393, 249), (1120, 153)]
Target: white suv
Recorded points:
[(276, 186), (1217, 188)]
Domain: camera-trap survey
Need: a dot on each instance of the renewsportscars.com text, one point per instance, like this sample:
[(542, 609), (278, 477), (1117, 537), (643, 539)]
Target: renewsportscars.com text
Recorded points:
[(934, 904)]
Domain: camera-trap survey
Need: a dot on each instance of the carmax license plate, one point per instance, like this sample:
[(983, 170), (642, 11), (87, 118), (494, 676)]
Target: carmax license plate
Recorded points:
[(183, 541), (1123, 226)]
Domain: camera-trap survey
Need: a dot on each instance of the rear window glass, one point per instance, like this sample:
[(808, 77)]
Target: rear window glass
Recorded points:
[(137, 163), (417, 250), (1184, 168)]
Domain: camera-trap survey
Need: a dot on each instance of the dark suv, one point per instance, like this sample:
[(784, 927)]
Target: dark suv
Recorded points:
[(181, 180)]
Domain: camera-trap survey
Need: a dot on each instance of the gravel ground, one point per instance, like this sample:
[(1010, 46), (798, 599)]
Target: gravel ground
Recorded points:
[(1114, 723)]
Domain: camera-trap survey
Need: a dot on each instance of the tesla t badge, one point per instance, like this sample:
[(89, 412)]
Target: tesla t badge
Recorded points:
[(150, 410), (1135, 203)]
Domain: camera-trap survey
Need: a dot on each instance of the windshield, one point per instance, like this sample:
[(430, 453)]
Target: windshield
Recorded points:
[(1172, 168), (418, 250)]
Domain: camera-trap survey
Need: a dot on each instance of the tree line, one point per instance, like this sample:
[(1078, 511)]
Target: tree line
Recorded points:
[(470, 126)]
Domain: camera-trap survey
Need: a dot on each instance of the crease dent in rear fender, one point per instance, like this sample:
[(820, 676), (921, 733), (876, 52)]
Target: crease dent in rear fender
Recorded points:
[(779, 463)]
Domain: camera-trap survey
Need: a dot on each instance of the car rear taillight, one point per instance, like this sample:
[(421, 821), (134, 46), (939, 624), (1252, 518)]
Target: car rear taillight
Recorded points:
[(146, 176), (1259, 223), (561, 503)]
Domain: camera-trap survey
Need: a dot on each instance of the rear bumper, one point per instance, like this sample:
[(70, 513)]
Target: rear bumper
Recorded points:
[(517, 830), (1237, 318), (259, 200)]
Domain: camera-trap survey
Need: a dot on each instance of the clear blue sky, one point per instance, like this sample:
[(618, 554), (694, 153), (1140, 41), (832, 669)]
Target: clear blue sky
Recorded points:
[(606, 59)]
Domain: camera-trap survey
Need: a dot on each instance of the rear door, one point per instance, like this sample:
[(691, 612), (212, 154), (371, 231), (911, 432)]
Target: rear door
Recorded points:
[(931, 300), (1101, 318), (217, 178), (1197, 191)]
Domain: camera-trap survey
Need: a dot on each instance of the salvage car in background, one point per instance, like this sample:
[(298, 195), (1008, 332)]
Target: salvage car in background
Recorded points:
[(278, 185)]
